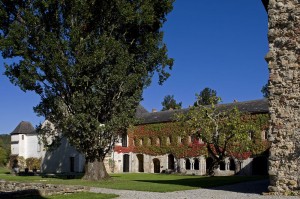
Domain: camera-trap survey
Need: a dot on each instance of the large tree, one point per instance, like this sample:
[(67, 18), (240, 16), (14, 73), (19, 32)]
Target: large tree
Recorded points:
[(170, 103), (206, 97), (89, 61), (226, 132)]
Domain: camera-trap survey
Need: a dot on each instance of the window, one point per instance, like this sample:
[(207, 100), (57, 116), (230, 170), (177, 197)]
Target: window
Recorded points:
[(22, 137), (195, 139), (149, 141), (38, 148), (141, 142), (251, 135), (189, 139), (180, 140), (158, 141), (124, 139), (168, 140)]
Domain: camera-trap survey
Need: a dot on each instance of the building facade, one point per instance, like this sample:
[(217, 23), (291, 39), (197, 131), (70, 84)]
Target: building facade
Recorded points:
[(159, 151), (24, 141)]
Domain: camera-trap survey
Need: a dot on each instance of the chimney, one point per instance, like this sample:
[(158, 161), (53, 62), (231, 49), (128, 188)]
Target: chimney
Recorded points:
[(154, 110)]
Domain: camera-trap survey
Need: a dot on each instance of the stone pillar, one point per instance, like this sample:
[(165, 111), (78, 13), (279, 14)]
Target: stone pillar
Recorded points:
[(284, 85)]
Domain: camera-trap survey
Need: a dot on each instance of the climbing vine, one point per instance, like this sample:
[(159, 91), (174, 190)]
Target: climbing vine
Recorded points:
[(176, 138)]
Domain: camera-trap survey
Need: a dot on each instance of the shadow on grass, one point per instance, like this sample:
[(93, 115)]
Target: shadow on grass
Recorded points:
[(242, 184), (24, 194), (253, 187)]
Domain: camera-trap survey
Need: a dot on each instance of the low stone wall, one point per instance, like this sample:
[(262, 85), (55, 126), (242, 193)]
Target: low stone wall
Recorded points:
[(9, 189)]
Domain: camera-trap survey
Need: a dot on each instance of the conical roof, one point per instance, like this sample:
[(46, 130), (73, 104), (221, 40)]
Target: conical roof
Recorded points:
[(23, 128)]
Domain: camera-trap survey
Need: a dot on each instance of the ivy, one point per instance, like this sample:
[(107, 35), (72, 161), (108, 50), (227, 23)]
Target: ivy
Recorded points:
[(176, 138)]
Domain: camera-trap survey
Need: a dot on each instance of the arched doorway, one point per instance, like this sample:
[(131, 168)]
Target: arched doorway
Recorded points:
[(232, 164), (260, 165), (187, 164), (171, 162), (125, 163), (222, 165), (209, 163), (140, 158), (196, 164), (156, 164)]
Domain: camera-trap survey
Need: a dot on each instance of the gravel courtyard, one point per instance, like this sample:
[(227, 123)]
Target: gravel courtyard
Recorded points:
[(242, 190)]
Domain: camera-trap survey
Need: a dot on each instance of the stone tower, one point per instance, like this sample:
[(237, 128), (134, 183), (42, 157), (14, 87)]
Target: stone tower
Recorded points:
[(284, 85)]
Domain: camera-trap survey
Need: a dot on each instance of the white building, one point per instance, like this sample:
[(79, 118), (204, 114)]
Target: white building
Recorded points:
[(24, 141)]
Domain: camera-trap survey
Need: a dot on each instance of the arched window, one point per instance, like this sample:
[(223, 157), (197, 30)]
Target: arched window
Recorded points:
[(168, 140), (124, 139), (180, 140), (158, 141), (189, 139), (232, 164), (187, 164), (196, 164)]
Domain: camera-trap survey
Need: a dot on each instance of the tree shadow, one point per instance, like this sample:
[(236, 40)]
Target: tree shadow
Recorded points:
[(24, 194), (241, 184)]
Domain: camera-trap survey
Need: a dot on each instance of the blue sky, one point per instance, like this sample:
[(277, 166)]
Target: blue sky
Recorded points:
[(217, 44)]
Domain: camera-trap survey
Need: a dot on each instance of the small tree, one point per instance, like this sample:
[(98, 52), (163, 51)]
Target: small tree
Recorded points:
[(33, 163), (265, 91), (206, 97), (225, 132), (170, 103)]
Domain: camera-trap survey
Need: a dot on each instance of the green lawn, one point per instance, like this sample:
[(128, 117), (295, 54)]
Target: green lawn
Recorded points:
[(4, 170), (143, 182), (75, 196)]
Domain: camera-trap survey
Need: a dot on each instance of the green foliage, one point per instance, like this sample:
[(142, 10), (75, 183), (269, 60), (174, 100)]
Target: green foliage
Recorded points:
[(3, 157), (265, 91), (207, 97), (88, 60), (4, 149), (161, 139), (33, 163), (170, 103)]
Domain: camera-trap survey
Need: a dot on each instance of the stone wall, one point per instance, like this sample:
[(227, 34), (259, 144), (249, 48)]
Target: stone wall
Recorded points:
[(284, 86), (10, 189)]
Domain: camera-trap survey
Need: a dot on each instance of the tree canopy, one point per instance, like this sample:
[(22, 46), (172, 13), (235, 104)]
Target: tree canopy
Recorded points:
[(89, 61), (4, 149), (206, 97), (170, 103)]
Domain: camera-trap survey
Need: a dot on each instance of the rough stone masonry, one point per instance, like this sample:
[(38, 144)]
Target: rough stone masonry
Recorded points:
[(284, 101)]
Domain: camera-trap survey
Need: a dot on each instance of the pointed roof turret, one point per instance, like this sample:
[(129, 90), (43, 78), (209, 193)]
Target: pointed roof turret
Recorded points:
[(23, 128)]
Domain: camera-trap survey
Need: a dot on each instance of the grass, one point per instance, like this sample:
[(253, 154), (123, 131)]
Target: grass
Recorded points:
[(75, 196), (4, 170), (143, 181)]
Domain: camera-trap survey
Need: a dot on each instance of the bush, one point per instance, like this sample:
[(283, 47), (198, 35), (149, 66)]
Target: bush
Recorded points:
[(33, 163)]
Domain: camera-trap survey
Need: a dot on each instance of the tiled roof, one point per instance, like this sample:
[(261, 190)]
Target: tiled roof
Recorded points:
[(23, 128), (140, 111), (253, 107)]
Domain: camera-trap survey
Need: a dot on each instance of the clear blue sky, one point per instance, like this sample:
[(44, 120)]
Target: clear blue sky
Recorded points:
[(217, 44)]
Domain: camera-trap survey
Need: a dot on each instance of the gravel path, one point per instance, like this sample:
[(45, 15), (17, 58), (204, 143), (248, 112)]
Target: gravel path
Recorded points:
[(247, 190)]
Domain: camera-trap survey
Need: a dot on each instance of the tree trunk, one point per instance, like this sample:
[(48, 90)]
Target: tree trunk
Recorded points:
[(213, 167), (95, 171)]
